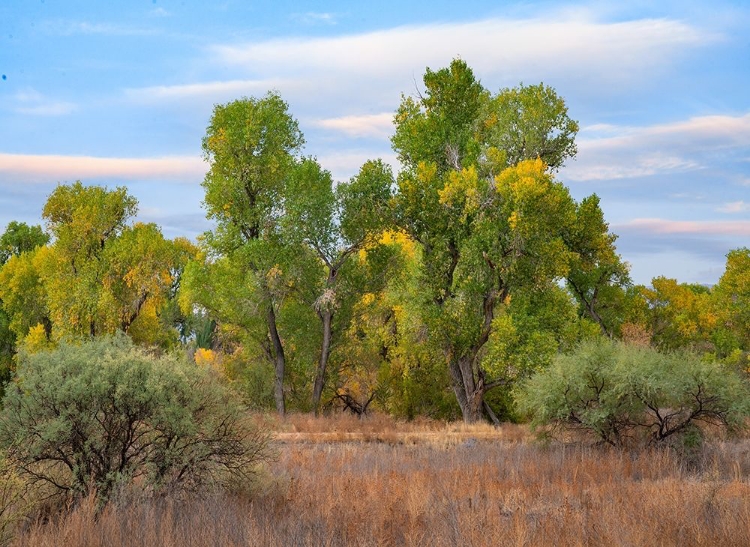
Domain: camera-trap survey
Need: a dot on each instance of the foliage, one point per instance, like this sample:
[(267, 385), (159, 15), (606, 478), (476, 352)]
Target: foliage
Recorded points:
[(87, 418), (482, 205), (618, 391), (20, 238), (99, 276), (598, 278), (251, 146), (732, 306)]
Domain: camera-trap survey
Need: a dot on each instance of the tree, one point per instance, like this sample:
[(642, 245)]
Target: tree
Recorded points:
[(528, 122), (335, 223), (86, 418), (731, 302), (101, 274), (675, 315), (20, 238), (484, 229), (598, 278), (618, 391), (84, 220), (251, 147)]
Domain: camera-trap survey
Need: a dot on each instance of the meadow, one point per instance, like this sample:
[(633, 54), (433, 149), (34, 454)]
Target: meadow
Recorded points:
[(342, 481)]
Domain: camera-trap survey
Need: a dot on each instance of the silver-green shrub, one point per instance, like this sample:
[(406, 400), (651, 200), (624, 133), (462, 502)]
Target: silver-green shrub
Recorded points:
[(91, 417), (620, 392)]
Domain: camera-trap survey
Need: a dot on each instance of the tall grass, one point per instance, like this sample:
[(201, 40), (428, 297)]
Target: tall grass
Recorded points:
[(375, 482)]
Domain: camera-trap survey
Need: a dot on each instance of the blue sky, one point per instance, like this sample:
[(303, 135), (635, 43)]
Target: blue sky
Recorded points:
[(120, 93)]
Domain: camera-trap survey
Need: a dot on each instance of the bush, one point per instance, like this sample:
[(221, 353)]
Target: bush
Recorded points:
[(88, 418), (618, 391)]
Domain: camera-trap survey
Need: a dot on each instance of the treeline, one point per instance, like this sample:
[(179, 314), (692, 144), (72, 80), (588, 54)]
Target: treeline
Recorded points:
[(433, 292)]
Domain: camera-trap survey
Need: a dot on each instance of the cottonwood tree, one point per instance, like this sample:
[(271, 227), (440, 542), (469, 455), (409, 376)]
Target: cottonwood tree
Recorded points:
[(483, 206), (335, 223), (19, 238), (598, 277), (731, 307), (251, 146), (100, 275)]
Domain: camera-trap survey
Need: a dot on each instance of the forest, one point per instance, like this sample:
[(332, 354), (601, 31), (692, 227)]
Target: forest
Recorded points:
[(469, 286)]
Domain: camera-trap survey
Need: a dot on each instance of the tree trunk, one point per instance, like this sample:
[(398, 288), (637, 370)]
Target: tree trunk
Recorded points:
[(469, 392), (327, 317), (279, 361)]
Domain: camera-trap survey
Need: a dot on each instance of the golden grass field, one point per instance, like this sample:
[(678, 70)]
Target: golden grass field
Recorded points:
[(340, 481)]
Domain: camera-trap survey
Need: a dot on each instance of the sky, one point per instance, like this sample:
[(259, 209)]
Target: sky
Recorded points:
[(120, 93)]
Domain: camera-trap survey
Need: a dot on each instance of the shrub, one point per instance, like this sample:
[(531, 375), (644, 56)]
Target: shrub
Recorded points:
[(87, 418), (617, 391)]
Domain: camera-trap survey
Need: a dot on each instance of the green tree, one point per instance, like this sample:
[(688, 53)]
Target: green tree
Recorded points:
[(598, 278), (335, 223), (618, 391), (100, 275), (485, 230), (85, 419), (527, 122), (731, 305), (84, 220), (18, 238), (251, 147)]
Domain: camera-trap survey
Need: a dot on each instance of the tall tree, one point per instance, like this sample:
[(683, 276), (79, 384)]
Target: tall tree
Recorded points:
[(336, 223), (18, 238), (731, 301), (251, 146), (598, 278), (100, 275), (485, 229)]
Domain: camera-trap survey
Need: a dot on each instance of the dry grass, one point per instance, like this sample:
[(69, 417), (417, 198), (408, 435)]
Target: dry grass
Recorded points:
[(376, 482)]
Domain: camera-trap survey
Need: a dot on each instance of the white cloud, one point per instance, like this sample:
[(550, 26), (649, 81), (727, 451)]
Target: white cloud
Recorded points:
[(30, 101), (660, 226), (682, 146), (216, 90), (56, 168), (159, 12), (314, 18), (574, 46), (344, 165), (65, 27), (734, 207), (373, 68), (60, 108), (368, 125)]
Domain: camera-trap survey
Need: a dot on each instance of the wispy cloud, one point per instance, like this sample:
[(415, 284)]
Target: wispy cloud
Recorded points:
[(734, 207), (64, 27), (315, 18), (55, 168), (582, 47), (30, 101), (681, 146), (210, 91), (328, 75), (368, 125), (159, 12), (660, 226)]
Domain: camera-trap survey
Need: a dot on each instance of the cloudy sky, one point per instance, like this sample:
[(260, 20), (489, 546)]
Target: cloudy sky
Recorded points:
[(120, 93)]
